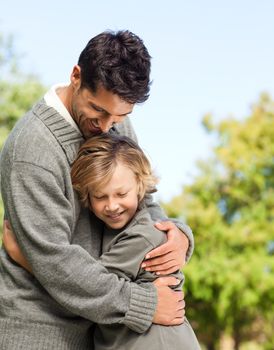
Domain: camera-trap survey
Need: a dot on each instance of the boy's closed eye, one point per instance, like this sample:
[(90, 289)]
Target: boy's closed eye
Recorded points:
[(121, 195), (99, 197)]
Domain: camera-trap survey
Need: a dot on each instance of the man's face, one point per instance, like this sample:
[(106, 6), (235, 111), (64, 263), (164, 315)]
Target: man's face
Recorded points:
[(95, 113)]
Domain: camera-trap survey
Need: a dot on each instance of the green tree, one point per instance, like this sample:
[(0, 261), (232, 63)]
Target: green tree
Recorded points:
[(230, 207), (18, 91)]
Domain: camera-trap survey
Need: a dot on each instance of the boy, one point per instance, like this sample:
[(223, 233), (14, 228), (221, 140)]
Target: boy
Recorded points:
[(112, 176)]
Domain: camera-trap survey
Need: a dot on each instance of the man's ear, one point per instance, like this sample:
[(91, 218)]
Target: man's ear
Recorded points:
[(75, 77)]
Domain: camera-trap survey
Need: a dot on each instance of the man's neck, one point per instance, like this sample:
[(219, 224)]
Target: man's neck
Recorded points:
[(64, 93)]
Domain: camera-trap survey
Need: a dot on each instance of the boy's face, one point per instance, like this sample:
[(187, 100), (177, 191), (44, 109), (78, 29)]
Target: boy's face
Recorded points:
[(116, 202)]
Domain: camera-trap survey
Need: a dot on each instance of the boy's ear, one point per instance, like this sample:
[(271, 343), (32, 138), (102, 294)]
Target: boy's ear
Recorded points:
[(141, 191)]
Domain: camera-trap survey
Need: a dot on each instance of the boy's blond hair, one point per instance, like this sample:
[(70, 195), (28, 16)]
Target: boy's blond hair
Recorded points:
[(98, 158)]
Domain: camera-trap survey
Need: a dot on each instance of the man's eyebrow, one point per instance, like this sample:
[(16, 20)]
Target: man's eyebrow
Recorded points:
[(100, 109), (124, 115)]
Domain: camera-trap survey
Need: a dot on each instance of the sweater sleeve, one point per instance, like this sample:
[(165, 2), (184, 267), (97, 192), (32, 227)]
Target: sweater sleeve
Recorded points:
[(156, 212), (41, 218)]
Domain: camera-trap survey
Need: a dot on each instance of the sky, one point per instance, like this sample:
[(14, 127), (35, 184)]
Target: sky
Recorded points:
[(207, 57)]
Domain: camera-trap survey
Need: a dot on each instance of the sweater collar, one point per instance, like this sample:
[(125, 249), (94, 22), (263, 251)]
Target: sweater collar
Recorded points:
[(69, 138)]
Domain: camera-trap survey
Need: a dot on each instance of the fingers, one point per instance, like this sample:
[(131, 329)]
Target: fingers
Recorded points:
[(165, 225), (4, 238), (163, 269), (173, 261), (182, 304), (170, 256), (166, 247), (167, 281), (158, 261), (170, 307), (7, 224), (159, 251), (169, 266), (7, 230), (180, 314), (168, 271), (178, 320)]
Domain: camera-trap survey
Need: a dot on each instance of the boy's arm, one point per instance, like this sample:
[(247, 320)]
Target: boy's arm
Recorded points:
[(124, 258), (11, 246)]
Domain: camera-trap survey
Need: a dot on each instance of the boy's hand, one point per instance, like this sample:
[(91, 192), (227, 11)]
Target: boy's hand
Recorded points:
[(170, 309), (12, 248), (170, 256)]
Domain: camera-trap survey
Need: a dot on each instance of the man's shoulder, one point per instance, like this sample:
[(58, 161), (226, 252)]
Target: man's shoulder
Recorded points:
[(28, 129), (42, 137)]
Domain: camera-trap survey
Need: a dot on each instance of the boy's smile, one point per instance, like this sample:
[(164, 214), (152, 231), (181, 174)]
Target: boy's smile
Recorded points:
[(116, 202)]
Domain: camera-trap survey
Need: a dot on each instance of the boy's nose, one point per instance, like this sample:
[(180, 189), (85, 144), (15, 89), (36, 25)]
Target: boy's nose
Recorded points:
[(112, 206)]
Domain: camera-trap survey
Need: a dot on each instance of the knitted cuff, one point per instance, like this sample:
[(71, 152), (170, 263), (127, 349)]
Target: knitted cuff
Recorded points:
[(142, 307)]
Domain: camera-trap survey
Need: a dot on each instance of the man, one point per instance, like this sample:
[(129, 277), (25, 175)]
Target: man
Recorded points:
[(61, 241)]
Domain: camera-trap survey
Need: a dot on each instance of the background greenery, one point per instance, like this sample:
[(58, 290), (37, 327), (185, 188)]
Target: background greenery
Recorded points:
[(229, 205)]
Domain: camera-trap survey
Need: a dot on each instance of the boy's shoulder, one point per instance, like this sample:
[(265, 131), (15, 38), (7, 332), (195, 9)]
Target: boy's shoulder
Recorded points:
[(142, 225)]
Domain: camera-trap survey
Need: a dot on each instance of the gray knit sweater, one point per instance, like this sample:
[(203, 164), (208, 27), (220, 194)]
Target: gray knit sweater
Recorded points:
[(71, 290)]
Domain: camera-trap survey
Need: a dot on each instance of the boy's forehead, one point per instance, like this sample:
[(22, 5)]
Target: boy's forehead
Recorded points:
[(108, 187), (122, 179)]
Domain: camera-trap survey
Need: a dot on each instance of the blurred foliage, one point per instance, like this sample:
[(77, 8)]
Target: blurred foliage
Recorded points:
[(18, 92), (230, 207)]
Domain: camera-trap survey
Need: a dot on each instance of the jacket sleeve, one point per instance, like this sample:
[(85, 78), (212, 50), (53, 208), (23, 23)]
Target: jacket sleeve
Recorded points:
[(42, 220), (125, 255), (156, 212)]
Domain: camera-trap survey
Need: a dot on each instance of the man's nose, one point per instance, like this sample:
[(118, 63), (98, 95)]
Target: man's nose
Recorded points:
[(106, 124)]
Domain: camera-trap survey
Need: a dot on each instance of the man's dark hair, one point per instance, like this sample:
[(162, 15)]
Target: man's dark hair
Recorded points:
[(120, 62)]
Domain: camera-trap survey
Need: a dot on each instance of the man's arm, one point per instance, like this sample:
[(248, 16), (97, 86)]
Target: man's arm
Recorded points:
[(42, 220), (67, 271), (170, 306), (178, 249), (180, 236), (174, 251)]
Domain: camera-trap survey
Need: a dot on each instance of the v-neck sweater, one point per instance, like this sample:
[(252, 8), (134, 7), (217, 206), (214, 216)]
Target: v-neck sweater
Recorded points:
[(70, 290)]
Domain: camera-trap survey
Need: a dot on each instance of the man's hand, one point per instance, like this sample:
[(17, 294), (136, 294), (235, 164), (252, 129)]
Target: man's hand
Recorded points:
[(170, 309), (168, 257), (12, 248)]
